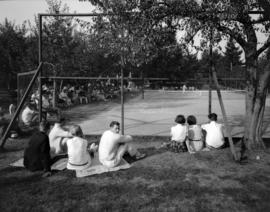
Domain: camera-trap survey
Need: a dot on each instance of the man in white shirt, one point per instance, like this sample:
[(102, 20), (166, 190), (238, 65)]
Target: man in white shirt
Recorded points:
[(57, 137), (113, 146), (214, 133), (29, 114)]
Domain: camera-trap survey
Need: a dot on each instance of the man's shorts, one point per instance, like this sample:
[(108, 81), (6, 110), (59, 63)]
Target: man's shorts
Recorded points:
[(115, 161)]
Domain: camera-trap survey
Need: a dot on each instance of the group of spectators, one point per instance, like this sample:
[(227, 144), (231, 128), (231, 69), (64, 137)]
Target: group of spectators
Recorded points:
[(99, 90), (192, 137), (75, 94), (68, 96), (84, 93), (46, 145)]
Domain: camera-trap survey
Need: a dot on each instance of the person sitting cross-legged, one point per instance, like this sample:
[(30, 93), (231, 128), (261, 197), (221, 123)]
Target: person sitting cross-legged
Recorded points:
[(214, 133), (37, 153), (113, 146), (79, 157)]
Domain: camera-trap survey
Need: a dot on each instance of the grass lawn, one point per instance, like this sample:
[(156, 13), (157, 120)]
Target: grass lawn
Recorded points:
[(164, 181)]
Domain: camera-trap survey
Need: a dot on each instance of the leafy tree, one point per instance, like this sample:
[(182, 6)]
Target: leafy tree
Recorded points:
[(62, 44), (214, 20), (232, 60), (12, 50)]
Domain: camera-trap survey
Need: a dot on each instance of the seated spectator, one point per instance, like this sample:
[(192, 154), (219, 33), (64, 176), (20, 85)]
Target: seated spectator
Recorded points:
[(45, 88), (214, 133), (57, 136), (3, 123), (45, 100), (35, 97), (195, 135), (47, 106), (178, 136), (113, 146), (37, 153), (78, 156), (64, 96), (100, 95), (82, 95), (73, 95), (29, 114), (12, 109)]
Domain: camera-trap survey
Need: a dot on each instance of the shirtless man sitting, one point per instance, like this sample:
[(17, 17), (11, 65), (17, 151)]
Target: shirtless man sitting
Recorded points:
[(113, 146)]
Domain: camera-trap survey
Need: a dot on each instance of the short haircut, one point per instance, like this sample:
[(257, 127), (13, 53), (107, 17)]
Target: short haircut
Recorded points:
[(61, 120), (114, 123), (31, 105), (180, 119), (76, 130), (212, 116), (44, 125), (191, 120)]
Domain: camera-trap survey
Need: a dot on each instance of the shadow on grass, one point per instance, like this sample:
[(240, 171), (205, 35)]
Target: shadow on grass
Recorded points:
[(17, 176), (175, 185)]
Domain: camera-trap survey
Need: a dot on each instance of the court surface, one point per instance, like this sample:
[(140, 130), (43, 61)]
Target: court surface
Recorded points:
[(154, 115)]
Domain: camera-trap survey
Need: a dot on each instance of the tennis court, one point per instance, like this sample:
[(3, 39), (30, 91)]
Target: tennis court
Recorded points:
[(154, 115)]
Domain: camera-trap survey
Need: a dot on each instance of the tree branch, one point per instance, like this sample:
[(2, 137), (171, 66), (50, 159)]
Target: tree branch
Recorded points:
[(259, 21), (265, 4), (235, 35), (264, 47)]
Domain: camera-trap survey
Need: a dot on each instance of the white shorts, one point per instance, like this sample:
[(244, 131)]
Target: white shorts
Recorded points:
[(118, 157)]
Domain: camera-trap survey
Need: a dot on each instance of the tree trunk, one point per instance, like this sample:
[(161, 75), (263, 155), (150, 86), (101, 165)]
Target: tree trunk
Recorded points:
[(255, 104)]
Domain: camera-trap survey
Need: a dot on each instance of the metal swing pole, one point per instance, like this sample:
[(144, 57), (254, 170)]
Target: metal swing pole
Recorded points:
[(210, 75), (18, 110), (40, 72), (122, 96)]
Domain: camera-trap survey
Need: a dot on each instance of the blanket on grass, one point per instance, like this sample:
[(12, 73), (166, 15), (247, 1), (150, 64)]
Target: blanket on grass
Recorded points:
[(97, 168)]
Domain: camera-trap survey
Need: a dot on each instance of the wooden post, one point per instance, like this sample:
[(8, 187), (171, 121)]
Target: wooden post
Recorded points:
[(142, 88), (210, 95), (214, 75), (227, 126), (122, 96), (54, 92)]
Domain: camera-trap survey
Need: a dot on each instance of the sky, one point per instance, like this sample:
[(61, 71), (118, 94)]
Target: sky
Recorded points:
[(21, 10)]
